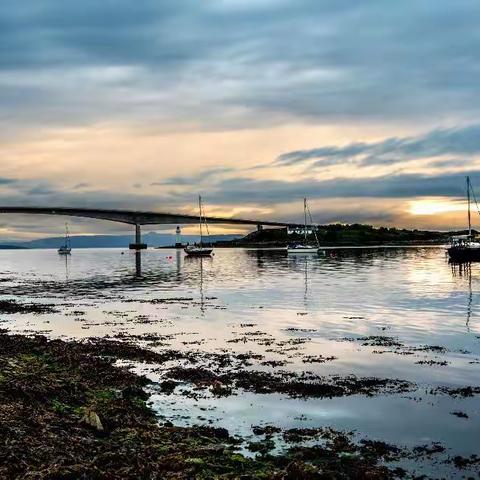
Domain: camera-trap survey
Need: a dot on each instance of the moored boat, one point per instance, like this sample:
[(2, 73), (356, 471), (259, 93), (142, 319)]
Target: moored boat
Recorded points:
[(305, 247), (199, 250), (66, 248), (465, 248), (195, 250)]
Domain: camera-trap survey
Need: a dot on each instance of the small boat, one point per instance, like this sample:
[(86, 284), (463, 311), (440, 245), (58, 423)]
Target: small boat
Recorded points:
[(465, 248), (301, 248), (305, 247), (65, 249), (199, 250)]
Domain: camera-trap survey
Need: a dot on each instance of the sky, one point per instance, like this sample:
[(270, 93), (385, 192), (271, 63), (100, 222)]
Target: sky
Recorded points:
[(370, 109)]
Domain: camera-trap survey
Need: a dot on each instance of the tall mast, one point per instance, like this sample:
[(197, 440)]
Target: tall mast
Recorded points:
[(305, 213), (200, 217), (468, 198), (66, 234)]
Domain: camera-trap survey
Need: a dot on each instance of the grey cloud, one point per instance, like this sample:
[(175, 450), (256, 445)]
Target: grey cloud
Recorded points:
[(450, 163), (7, 181), (41, 190), (265, 193), (330, 155), (352, 215), (80, 185), (249, 191), (197, 178), (268, 192), (237, 64), (448, 141)]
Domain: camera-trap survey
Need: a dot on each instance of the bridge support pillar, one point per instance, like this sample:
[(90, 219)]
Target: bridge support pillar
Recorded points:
[(259, 227), (138, 245)]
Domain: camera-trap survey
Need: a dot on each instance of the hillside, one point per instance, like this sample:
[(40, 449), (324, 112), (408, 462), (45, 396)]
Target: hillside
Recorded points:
[(342, 235)]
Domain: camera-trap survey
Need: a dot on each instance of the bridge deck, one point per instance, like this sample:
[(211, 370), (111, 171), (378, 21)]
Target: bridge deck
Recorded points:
[(139, 217)]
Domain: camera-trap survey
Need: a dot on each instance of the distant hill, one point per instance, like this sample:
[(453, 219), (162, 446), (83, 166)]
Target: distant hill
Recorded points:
[(342, 235), (152, 239), (11, 247)]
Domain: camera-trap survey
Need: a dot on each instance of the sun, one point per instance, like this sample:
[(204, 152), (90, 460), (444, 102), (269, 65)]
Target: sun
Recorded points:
[(435, 206)]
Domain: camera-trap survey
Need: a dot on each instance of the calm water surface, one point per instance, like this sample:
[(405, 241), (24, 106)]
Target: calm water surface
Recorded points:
[(411, 294)]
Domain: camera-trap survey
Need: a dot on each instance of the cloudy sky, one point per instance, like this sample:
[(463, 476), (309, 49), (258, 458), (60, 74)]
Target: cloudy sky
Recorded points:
[(371, 109)]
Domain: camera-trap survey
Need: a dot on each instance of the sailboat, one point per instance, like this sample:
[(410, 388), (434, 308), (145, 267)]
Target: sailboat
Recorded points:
[(199, 250), (305, 247), (464, 248), (65, 249)]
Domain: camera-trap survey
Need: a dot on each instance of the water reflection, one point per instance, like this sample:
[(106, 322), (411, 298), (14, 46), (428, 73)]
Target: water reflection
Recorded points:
[(198, 264), (66, 259), (464, 270), (411, 294), (411, 284), (138, 263)]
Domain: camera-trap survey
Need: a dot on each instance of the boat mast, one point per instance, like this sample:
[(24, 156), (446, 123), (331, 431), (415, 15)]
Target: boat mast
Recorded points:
[(200, 217), (66, 235), (305, 213), (469, 217)]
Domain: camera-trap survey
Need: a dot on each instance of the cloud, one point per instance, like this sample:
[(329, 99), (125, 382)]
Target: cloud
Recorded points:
[(221, 65), (359, 214), (378, 200), (230, 64), (7, 181), (240, 191), (450, 163), (41, 190), (80, 186), (197, 178), (448, 141), (396, 186)]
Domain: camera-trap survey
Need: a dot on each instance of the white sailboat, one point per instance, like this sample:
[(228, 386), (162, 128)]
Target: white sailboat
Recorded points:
[(199, 250), (66, 248), (304, 247)]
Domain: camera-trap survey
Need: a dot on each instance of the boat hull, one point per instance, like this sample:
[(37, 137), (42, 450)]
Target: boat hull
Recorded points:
[(198, 252), (302, 250), (464, 254), (64, 251)]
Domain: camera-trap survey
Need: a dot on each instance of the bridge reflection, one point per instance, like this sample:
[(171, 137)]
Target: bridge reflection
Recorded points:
[(138, 263)]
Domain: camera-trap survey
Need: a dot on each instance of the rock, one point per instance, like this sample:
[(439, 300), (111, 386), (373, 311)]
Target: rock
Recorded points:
[(92, 419), (301, 471)]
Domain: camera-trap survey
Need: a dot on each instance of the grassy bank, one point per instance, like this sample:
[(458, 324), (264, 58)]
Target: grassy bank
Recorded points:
[(67, 411)]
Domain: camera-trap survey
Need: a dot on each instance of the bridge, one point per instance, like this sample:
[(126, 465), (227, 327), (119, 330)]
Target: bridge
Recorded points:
[(138, 218)]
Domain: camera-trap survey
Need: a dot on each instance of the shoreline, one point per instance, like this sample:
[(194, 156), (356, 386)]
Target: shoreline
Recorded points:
[(91, 391), (70, 411), (322, 247), (249, 247)]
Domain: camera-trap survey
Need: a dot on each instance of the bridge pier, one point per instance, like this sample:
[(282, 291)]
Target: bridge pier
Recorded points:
[(259, 227), (138, 245)]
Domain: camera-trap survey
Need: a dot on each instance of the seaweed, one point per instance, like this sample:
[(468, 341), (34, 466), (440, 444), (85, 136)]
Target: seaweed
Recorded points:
[(68, 411)]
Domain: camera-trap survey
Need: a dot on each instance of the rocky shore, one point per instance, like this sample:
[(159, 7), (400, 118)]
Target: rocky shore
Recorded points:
[(67, 410)]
